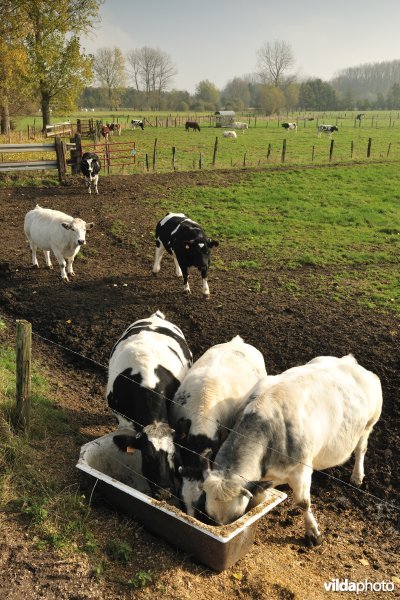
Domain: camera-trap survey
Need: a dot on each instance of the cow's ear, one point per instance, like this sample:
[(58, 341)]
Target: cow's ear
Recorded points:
[(256, 487), (89, 225), (67, 225), (129, 443), (212, 243), (182, 429)]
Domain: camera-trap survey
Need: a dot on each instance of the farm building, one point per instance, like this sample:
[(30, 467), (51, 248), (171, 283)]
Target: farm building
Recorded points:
[(224, 118)]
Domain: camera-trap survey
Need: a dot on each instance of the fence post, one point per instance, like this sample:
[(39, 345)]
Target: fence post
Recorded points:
[(269, 151), (352, 149), (147, 162), (173, 157), (61, 159), (283, 150), (201, 160), (331, 149), (154, 154), (388, 150), (244, 159), (215, 152), (313, 154), (369, 147), (23, 373)]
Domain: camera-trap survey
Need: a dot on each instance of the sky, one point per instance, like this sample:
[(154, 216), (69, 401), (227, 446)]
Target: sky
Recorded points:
[(218, 39)]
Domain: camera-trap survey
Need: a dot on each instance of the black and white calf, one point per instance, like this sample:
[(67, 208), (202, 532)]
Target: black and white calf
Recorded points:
[(146, 366), (329, 129), (205, 406), (188, 244), (290, 126), (137, 123), (309, 417), (90, 168)]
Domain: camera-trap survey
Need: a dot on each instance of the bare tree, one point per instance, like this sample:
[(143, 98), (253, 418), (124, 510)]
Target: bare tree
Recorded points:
[(152, 69), (109, 67), (274, 59)]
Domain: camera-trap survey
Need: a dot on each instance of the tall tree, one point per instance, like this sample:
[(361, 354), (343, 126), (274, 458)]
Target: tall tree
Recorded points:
[(208, 93), (236, 94), (109, 66), (151, 70), (274, 60), (57, 66)]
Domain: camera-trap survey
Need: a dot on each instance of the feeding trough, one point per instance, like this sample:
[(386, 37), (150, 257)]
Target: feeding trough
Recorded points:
[(118, 478)]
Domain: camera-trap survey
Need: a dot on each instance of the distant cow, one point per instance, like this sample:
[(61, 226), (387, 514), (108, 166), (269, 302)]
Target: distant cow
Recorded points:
[(205, 406), (192, 125), (229, 134), (137, 123), (114, 127), (90, 168), (105, 132), (309, 417), (188, 244), (328, 129), (146, 366), (54, 230), (290, 126), (360, 117), (240, 125)]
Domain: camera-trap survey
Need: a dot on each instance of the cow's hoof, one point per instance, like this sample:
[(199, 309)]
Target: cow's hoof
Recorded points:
[(154, 274), (206, 297), (71, 274), (313, 539)]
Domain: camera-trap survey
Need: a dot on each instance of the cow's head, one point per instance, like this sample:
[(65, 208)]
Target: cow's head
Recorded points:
[(77, 229), (155, 442), (198, 252)]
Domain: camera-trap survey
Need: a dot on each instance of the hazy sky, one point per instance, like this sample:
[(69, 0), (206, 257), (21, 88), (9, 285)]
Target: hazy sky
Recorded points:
[(219, 39)]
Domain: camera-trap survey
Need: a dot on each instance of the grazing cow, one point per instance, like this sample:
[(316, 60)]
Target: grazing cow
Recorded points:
[(105, 132), (329, 129), (137, 123), (54, 230), (114, 127), (90, 168), (290, 126), (229, 134), (192, 125), (205, 406), (309, 417), (360, 116), (239, 125), (146, 366), (188, 244)]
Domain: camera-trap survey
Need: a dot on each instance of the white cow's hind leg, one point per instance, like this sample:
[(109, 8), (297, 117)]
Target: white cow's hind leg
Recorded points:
[(159, 254), (357, 475), (34, 258)]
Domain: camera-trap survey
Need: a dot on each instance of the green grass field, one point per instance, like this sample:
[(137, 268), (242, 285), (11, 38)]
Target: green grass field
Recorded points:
[(260, 145)]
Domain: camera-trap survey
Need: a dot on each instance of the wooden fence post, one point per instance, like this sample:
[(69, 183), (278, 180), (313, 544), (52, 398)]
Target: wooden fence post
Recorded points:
[(269, 151), (61, 159), (352, 149), (283, 151), (388, 150), (154, 154), (23, 373), (313, 154), (147, 162), (244, 159), (173, 157), (369, 147), (331, 149), (215, 152)]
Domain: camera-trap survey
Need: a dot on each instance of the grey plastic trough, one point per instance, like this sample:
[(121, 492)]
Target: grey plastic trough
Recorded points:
[(117, 477)]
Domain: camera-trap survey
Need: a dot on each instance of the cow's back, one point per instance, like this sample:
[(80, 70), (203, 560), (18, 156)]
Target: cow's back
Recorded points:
[(43, 226)]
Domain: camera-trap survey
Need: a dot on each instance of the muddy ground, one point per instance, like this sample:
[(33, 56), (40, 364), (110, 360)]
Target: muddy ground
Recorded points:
[(74, 328)]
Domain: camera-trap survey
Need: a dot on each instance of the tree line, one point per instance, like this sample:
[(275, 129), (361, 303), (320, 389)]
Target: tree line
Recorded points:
[(42, 63)]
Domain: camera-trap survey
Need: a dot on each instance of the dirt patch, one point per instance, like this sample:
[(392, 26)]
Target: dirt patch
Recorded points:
[(114, 287)]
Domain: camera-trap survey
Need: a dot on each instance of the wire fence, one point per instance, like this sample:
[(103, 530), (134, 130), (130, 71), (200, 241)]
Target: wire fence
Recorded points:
[(378, 502)]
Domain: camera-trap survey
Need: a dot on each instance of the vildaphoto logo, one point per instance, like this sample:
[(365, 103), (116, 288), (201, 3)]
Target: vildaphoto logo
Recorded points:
[(359, 587)]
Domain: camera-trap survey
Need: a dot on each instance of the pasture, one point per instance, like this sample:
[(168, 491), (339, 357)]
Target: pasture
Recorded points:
[(307, 265), (375, 138)]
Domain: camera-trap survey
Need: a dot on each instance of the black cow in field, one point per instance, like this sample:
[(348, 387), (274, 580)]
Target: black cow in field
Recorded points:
[(192, 125), (188, 244), (90, 168)]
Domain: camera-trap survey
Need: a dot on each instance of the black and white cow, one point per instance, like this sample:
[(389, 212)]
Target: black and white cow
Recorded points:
[(146, 366), (114, 127), (290, 126), (206, 404), (90, 168), (137, 123), (329, 129), (188, 244), (309, 417)]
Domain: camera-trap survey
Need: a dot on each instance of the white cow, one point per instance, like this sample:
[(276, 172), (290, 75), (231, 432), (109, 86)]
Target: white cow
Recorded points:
[(229, 134), (56, 231), (206, 404), (240, 125), (309, 417)]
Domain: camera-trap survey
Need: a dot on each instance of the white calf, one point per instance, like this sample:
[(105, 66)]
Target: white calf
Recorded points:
[(309, 417), (54, 230), (239, 125), (229, 134)]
